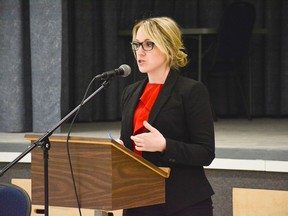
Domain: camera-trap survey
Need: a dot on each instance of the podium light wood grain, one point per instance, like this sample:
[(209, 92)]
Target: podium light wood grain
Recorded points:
[(108, 176)]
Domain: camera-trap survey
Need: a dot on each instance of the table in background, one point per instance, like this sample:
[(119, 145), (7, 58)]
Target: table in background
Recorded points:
[(199, 32)]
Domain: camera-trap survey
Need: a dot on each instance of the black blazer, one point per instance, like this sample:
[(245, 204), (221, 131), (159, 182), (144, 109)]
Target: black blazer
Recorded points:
[(182, 113)]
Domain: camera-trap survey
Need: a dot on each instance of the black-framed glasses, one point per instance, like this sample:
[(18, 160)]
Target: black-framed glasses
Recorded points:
[(146, 45)]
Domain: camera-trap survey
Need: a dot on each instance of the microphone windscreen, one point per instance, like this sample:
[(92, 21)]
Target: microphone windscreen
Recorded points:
[(126, 70)]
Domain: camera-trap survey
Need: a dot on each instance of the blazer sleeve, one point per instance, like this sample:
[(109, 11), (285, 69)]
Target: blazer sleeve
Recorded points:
[(197, 148)]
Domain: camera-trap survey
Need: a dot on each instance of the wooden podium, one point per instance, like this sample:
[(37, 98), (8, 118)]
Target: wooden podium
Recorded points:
[(108, 176)]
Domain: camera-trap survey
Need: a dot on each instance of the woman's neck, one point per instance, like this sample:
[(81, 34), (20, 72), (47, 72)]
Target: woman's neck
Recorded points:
[(158, 77)]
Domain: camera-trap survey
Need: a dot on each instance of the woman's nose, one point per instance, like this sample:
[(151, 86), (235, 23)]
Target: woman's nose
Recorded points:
[(141, 51)]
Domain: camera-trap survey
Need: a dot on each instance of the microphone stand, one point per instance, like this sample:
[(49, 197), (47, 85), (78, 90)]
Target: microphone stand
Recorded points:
[(44, 143)]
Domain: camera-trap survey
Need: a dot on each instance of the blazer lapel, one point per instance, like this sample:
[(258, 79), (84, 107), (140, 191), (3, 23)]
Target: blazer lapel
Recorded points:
[(163, 95), (133, 102)]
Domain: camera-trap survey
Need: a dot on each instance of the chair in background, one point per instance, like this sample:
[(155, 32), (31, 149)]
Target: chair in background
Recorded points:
[(14, 201), (231, 48)]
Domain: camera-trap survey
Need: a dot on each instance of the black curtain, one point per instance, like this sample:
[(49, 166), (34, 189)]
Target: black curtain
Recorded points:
[(57, 47), (98, 46)]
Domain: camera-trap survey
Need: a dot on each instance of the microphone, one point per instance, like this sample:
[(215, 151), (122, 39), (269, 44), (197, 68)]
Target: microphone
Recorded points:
[(123, 71)]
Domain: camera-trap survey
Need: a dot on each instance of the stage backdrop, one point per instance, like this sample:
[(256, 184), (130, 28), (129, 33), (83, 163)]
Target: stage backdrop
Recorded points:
[(50, 50)]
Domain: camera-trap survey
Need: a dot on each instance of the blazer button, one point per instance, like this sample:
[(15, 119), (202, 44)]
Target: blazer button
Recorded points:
[(172, 160)]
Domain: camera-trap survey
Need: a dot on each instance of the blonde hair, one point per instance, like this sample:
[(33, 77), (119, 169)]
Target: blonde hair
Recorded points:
[(166, 35)]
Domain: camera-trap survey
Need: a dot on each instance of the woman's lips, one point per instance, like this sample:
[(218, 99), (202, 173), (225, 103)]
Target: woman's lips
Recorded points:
[(141, 61)]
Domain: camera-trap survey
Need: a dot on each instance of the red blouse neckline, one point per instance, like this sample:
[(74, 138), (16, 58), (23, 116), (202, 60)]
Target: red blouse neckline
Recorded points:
[(144, 107)]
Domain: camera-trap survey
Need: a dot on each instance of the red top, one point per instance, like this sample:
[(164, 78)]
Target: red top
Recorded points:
[(143, 109)]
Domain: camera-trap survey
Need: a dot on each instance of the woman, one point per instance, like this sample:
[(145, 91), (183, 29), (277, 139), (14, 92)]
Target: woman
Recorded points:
[(167, 120)]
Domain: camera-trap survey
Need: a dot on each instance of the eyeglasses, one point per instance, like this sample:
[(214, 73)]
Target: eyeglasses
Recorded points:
[(146, 45)]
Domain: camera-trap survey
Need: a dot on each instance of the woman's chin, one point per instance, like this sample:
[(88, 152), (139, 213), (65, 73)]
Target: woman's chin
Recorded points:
[(142, 70)]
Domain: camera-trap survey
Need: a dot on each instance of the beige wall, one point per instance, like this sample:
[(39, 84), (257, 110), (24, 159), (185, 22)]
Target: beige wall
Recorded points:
[(255, 202)]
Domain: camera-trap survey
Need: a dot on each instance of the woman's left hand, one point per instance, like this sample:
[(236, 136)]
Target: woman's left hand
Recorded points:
[(152, 141)]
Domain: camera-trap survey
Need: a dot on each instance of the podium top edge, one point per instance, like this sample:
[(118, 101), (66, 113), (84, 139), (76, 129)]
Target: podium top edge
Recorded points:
[(163, 171), (62, 138)]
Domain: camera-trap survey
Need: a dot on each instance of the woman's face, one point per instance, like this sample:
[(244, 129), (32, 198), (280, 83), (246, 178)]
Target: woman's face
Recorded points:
[(151, 62)]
